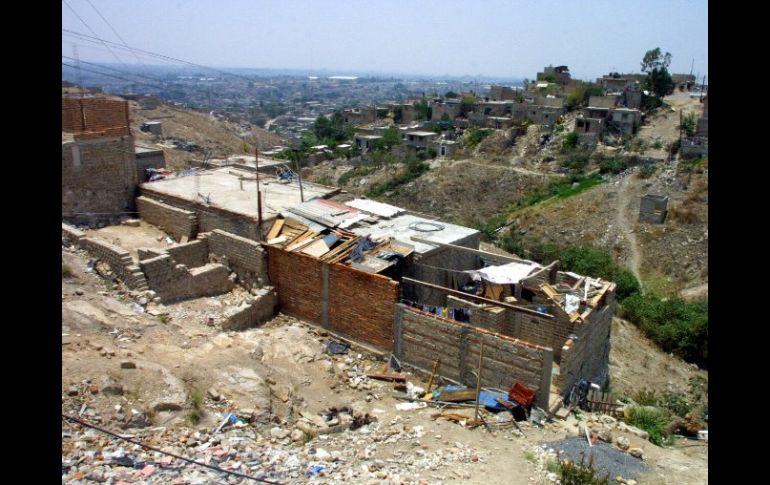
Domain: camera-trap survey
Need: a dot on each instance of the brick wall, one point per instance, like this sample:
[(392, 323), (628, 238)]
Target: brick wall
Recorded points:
[(172, 281), (351, 302), (118, 259), (420, 337), (243, 256), (297, 279), (192, 254), (362, 305), (251, 314), (588, 356), (209, 218), (175, 221), (95, 116), (98, 177)]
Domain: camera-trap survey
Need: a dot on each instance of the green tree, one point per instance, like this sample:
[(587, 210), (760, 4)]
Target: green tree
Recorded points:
[(689, 124), (390, 138), (424, 110), (450, 94), (658, 80)]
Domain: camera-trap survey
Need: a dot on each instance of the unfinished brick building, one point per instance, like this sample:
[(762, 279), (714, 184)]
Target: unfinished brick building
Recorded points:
[(99, 174)]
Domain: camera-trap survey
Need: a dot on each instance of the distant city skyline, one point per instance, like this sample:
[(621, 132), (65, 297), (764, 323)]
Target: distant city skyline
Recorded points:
[(489, 39)]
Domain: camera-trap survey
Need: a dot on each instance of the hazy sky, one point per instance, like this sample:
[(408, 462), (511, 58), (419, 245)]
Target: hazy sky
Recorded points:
[(513, 38)]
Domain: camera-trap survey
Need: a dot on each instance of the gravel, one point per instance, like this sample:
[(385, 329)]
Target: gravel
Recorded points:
[(606, 458)]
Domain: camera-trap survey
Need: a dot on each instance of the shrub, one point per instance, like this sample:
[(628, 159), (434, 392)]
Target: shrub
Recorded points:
[(576, 162), (66, 271), (652, 420), (646, 171), (476, 135), (646, 397), (627, 284), (570, 141), (676, 402), (581, 473), (676, 325), (613, 165)]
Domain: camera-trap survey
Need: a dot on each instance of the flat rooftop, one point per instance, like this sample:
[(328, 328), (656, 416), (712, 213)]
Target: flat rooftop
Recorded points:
[(223, 189), (422, 133), (404, 226), (143, 149)]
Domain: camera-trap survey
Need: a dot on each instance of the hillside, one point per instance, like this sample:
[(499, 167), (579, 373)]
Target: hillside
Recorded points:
[(221, 137)]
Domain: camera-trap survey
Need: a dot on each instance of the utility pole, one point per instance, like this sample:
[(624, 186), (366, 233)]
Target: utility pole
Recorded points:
[(259, 195), (702, 87)]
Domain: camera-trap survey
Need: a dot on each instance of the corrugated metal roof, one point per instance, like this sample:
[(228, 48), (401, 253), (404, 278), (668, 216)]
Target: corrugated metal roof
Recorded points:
[(318, 210), (376, 208)]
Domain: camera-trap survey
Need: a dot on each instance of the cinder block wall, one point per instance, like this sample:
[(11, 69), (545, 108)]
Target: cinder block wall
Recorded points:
[(175, 221), (173, 282), (192, 254), (492, 318), (421, 337), (548, 332), (209, 218), (362, 305), (243, 256), (98, 177), (588, 356), (118, 259)]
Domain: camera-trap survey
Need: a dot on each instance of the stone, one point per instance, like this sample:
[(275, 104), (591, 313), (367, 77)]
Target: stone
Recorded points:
[(214, 394), (605, 434), (622, 442), (297, 435), (631, 482), (322, 454), (636, 453), (127, 365), (143, 301), (279, 433), (73, 391), (638, 432)]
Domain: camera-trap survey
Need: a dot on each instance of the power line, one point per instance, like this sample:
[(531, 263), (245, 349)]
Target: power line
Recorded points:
[(92, 31), (112, 75), (148, 447), (153, 54), (116, 70), (113, 30)]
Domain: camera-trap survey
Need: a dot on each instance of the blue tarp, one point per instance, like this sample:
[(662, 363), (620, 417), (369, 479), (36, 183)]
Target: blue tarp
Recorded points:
[(486, 398)]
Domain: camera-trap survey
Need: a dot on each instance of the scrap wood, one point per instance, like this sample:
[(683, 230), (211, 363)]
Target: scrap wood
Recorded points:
[(432, 375), (455, 396), (459, 418), (388, 377), (435, 403), (510, 407), (275, 230)]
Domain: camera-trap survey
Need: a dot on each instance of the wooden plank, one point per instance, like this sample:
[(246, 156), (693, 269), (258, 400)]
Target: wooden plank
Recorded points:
[(299, 240), (469, 250), (458, 396), (276, 229), (388, 377), (317, 248)]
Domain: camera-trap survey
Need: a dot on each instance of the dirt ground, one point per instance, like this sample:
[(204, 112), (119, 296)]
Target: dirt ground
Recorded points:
[(170, 362), (131, 238)]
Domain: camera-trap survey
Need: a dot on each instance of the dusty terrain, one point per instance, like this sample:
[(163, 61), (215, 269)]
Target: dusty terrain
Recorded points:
[(165, 376), (223, 138)]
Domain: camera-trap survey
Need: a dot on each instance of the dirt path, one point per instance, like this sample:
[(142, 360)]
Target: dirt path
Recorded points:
[(524, 171), (626, 228)]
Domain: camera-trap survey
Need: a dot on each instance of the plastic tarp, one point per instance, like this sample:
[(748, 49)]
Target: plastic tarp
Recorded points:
[(506, 274), (486, 398), (571, 303)]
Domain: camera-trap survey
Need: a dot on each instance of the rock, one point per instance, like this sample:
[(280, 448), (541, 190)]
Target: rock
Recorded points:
[(636, 452), (214, 394), (638, 432), (257, 353), (605, 434), (79, 292), (73, 391), (630, 482), (127, 365), (322, 454), (131, 222), (297, 435), (143, 301), (139, 420), (622, 442), (279, 433)]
